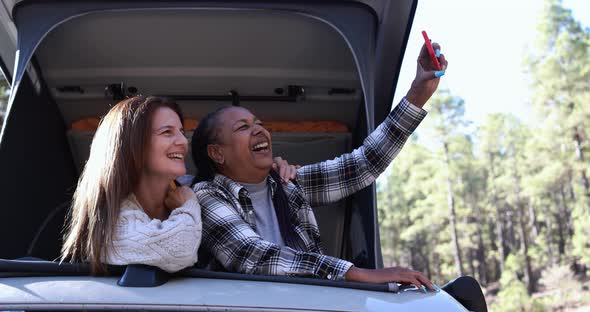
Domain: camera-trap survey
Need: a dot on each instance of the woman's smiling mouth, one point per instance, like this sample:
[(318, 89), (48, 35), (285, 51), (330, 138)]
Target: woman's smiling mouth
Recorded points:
[(260, 147), (176, 156)]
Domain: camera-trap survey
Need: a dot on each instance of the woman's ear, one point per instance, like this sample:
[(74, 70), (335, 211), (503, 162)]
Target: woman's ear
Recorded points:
[(214, 152)]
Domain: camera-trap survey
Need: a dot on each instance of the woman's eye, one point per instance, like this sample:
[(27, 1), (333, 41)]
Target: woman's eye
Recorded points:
[(243, 127)]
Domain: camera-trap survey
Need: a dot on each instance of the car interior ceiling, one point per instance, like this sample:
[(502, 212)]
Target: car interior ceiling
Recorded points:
[(87, 63)]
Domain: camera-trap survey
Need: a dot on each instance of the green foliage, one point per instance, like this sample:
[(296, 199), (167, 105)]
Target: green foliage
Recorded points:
[(580, 240), (561, 74), (514, 295)]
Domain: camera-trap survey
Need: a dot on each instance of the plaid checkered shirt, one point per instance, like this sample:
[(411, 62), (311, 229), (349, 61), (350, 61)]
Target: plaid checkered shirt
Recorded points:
[(229, 226)]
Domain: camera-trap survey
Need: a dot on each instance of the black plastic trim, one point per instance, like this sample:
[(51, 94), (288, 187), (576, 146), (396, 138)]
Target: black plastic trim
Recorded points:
[(404, 46), (142, 276), (229, 98), (39, 267), (5, 71), (201, 273)]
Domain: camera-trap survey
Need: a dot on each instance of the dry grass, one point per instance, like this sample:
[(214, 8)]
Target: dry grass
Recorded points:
[(562, 295)]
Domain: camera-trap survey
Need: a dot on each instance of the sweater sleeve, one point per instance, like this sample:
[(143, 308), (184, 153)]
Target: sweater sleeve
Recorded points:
[(171, 244)]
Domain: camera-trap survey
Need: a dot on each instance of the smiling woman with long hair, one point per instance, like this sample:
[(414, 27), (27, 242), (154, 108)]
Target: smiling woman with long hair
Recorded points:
[(123, 210)]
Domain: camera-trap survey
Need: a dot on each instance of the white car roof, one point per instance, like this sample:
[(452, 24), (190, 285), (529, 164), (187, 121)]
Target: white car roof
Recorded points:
[(195, 294)]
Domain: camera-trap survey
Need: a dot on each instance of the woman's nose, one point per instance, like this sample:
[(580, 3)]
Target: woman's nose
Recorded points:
[(181, 139), (257, 129)]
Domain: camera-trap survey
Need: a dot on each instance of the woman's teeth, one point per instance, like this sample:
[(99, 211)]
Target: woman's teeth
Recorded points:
[(260, 146), (176, 156)]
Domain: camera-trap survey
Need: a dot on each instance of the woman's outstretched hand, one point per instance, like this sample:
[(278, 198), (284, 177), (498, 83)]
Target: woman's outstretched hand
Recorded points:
[(286, 171), (389, 275), (427, 77), (179, 196)]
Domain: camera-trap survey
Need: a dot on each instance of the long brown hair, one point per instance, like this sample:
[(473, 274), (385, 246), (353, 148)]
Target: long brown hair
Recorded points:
[(117, 155)]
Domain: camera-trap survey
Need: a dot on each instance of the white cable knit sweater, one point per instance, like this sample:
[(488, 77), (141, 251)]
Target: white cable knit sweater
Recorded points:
[(171, 244)]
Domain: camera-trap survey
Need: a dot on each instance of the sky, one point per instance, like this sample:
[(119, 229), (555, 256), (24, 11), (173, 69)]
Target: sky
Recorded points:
[(485, 44)]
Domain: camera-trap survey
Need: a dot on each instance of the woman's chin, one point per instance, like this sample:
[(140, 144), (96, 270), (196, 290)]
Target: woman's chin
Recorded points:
[(177, 173), (265, 164)]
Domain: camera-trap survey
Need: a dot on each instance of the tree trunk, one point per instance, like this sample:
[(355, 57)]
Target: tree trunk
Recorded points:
[(492, 226), (395, 257), (472, 256), (521, 223), (436, 264), (428, 269), (570, 187), (566, 213), (580, 155), (528, 274), (533, 220), (511, 235), (560, 228), (524, 244), (479, 255), (499, 222), (549, 232), (452, 216)]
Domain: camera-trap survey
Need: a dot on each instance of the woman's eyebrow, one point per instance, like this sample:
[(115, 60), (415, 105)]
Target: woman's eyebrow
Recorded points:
[(245, 120), (165, 127)]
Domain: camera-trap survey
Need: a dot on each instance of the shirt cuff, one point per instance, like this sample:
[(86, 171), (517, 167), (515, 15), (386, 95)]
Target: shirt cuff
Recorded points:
[(345, 267), (407, 116), (333, 268)]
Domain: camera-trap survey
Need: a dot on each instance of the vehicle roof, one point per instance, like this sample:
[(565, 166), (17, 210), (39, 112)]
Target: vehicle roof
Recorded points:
[(392, 19), (378, 6), (212, 294)]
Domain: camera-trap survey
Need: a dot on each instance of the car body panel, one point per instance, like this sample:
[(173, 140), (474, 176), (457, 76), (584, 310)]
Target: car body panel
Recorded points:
[(22, 292)]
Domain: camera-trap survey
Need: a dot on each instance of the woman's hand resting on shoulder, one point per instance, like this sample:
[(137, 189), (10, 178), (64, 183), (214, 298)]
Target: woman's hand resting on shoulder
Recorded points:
[(179, 196), (389, 275), (286, 171)]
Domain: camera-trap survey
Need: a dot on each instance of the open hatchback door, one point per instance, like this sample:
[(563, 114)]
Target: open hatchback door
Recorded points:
[(320, 73)]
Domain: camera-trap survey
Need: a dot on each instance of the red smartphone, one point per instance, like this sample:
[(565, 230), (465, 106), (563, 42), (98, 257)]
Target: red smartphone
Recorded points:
[(431, 51)]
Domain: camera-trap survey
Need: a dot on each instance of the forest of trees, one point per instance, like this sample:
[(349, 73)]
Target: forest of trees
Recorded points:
[(503, 201)]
